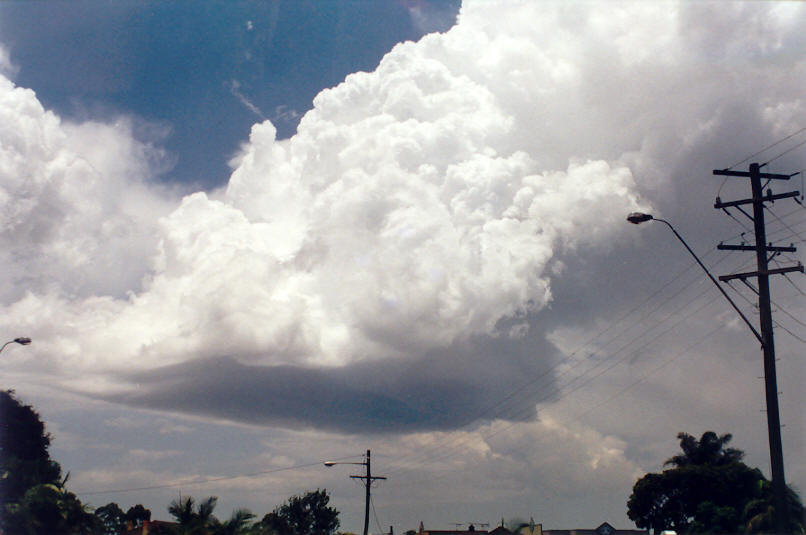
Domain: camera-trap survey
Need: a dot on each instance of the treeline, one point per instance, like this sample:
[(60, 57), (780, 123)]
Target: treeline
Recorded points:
[(306, 514), (34, 499)]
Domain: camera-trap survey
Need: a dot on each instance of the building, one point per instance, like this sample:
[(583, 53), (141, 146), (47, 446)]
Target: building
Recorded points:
[(148, 527), (603, 529)]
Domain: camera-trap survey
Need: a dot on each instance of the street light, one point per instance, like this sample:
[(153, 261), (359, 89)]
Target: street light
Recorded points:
[(23, 341), (368, 479), (636, 218), (770, 386)]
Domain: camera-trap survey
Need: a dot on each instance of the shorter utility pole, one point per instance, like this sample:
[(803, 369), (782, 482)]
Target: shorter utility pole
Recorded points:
[(368, 479)]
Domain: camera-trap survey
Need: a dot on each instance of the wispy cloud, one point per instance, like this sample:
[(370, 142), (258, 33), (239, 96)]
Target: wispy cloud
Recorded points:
[(235, 89)]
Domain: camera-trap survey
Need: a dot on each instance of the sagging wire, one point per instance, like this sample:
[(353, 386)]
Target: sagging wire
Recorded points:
[(768, 147)]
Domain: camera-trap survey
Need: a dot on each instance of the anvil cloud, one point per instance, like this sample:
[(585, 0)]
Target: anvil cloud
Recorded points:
[(421, 211)]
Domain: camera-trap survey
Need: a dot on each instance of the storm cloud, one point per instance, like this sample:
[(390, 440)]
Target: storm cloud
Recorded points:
[(384, 268)]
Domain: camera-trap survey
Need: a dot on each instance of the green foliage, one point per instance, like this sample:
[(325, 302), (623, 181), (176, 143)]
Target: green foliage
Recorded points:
[(708, 490), (112, 517), (199, 520), (758, 513), (306, 514), (192, 519), (114, 520), (239, 523), (33, 497), (24, 458), (51, 509), (710, 450), (137, 515)]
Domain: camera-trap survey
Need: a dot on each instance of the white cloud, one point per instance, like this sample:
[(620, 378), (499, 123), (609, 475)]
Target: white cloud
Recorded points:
[(416, 207), (7, 67)]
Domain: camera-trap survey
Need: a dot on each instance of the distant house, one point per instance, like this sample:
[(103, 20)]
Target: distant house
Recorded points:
[(604, 529), (471, 530), (536, 529), (152, 527)]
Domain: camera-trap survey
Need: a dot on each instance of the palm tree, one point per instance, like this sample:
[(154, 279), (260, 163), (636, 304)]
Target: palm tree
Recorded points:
[(238, 524), (759, 514), (710, 449), (50, 508), (198, 521)]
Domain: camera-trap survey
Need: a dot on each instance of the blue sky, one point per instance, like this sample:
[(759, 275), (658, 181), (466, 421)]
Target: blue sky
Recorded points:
[(185, 69), (250, 237)]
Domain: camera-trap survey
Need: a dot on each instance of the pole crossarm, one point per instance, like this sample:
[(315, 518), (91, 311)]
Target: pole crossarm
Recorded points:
[(779, 271), (746, 174), (774, 249), (769, 197), (762, 274)]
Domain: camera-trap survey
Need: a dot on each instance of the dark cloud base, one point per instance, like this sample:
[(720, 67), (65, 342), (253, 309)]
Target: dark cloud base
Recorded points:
[(467, 384)]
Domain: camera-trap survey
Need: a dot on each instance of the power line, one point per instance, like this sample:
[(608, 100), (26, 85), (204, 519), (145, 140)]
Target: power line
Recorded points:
[(543, 395), (375, 514), (563, 389), (793, 335), (794, 232), (490, 412), (768, 147), (785, 152), (205, 480)]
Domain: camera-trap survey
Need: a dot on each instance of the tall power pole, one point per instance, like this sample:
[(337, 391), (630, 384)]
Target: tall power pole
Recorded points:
[(762, 273), (368, 479)]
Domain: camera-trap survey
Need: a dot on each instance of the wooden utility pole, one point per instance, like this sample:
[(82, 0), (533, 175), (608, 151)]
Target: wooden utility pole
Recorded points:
[(368, 479), (762, 273)]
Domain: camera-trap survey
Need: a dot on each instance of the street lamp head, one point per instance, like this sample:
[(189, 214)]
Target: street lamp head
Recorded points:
[(638, 217), (329, 463), (23, 341)]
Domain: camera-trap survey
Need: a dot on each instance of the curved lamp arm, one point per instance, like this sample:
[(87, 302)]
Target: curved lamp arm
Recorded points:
[(23, 341), (637, 218)]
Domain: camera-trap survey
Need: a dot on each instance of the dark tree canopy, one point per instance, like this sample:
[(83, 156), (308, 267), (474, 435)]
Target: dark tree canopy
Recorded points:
[(24, 458), (113, 518), (137, 515), (708, 490), (50, 508), (306, 514), (710, 450)]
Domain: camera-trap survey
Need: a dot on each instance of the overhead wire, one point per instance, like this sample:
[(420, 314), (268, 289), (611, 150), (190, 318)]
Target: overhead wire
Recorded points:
[(487, 436), (785, 152), (784, 223), (531, 400), (768, 147), (489, 412), (587, 371), (564, 388), (665, 363), (375, 513), (206, 480)]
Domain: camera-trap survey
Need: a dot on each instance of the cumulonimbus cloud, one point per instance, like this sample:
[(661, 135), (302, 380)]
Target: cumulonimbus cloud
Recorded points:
[(416, 208)]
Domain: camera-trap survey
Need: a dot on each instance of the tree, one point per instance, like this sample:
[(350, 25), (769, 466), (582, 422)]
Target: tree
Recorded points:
[(198, 520), (708, 489), (137, 515), (50, 508), (24, 458), (710, 449), (113, 518), (758, 513), (306, 514), (33, 496), (239, 523)]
